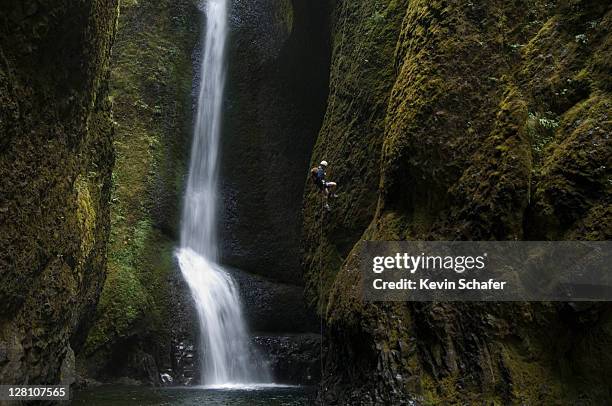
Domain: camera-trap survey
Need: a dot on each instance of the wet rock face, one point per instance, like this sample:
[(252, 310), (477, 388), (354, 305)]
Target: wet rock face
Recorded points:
[(185, 366), (293, 359), (55, 181), (274, 307), (181, 364), (442, 124), (276, 89), (150, 354)]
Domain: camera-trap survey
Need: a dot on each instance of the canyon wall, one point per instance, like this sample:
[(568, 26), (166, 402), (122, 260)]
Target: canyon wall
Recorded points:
[(55, 181), (145, 323), (444, 120), (455, 120), (276, 93)]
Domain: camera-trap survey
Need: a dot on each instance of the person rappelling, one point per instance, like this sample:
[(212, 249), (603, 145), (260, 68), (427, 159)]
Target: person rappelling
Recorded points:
[(327, 188)]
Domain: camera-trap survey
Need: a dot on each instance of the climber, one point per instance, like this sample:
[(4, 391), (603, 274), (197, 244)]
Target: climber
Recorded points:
[(318, 177)]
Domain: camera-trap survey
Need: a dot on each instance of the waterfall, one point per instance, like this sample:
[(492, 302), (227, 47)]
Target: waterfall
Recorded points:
[(225, 354)]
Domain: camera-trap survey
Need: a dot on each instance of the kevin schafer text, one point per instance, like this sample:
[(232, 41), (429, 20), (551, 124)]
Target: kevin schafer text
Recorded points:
[(428, 284)]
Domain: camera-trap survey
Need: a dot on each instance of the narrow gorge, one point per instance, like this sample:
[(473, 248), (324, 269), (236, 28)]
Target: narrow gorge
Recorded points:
[(144, 141), (147, 328)]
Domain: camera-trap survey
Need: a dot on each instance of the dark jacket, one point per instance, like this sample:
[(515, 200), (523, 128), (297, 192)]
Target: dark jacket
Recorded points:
[(321, 177)]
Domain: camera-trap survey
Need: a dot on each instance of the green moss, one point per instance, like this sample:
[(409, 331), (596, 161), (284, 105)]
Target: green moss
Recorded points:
[(285, 11), (493, 128), (135, 291), (86, 214), (573, 179), (150, 91), (123, 301), (55, 172)]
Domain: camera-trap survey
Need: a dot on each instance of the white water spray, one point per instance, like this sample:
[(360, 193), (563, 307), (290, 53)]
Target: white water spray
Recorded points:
[(226, 356)]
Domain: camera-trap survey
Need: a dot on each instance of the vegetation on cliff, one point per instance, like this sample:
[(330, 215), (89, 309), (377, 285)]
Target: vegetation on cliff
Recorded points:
[(151, 82), (485, 121), (55, 180)]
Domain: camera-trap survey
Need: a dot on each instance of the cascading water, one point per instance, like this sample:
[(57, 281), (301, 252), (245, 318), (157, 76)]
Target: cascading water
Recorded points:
[(226, 356)]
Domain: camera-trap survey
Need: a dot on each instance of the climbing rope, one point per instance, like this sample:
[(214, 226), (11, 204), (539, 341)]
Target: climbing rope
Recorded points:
[(321, 285), (343, 20)]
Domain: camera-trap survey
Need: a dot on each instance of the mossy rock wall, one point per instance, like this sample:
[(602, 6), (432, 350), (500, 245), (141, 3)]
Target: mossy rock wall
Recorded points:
[(145, 307), (55, 181), (454, 120)]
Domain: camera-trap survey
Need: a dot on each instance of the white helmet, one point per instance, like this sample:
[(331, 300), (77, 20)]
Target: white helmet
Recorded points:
[(323, 163)]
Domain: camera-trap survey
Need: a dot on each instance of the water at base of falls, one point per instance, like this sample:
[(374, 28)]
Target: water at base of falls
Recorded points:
[(261, 395)]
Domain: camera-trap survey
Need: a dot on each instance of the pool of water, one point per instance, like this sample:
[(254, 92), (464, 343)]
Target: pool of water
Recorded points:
[(108, 395)]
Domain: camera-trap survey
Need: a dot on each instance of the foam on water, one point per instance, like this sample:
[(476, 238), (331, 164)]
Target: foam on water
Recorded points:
[(247, 387)]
